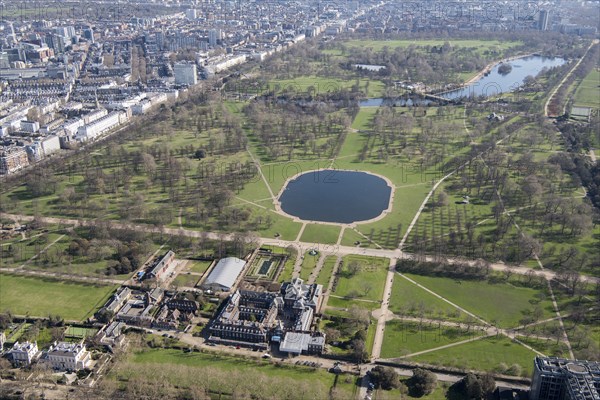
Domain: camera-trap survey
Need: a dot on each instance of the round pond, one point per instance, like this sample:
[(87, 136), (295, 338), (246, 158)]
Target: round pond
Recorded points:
[(336, 196)]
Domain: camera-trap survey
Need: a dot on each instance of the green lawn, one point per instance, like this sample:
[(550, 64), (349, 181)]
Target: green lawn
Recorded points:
[(325, 274), (410, 300), (368, 282), (362, 121), (351, 237), (198, 266), (378, 45), (320, 233), (483, 355), (41, 297), (286, 274), (501, 302), (323, 85), (227, 374), (548, 347), (308, 265), (588, 92), (343, 305), (403, 338), (186, 280)]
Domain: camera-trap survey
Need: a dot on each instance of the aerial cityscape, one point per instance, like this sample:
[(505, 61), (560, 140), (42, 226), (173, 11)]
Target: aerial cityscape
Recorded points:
[(277, 199)]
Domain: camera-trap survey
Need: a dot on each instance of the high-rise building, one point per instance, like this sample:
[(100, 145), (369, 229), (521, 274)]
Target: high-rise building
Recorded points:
[(191, 14), (89, 34), (214, 35), (561, 379), (185, 74), (544, 20), (65, 31), (56, 43)]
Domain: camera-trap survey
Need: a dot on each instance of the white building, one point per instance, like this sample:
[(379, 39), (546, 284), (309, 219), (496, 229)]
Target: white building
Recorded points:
[(66, 356), (24, 353), (50, 144), (71, 126), (157, 98), (185, 74), (141, 108), (111, 334), (218, 66), (98, 127), (34, 152), (214, 35), (191, 13), (224, 274), (94, 115), (30, 126)]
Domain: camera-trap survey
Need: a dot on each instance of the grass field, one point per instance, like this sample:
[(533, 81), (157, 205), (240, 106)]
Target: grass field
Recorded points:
[(198, 266), (226, 374), (482, 298), (320, 233), (588, 92), (79, 332), (403, 338), (410, 300), (41, 297), (368, 282), (378, 45), (325, 274), (308, 265), (286, 273), (186, 280), (483, 355), (320, 85)]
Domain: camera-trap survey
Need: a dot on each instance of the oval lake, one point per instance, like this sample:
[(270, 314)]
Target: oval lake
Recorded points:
[(336, 196)]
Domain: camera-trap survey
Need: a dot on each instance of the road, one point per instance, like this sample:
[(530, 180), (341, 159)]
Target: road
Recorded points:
[(58, 275), (382, 312), (337, 250), (557, 87), (324, 362)]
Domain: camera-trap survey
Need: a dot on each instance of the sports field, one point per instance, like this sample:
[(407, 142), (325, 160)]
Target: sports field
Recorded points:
[(588, 92), (39, 297)]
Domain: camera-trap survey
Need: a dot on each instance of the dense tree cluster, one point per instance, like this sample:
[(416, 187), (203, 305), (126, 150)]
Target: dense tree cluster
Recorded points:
[(384, 377), (307, 129), (472, 387), (422, 383)]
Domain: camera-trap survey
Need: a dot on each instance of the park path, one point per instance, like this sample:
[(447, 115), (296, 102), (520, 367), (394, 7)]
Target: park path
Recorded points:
[(539, 263), (326, 249), (60, 275), (317, 270), (262, 175), (329, 288), (383, 310), (557, 87), (446, 346), (438, 183), (467, 326), (299, 236), (40, 252), (298, 264), (341, 235), (484, 322)]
